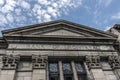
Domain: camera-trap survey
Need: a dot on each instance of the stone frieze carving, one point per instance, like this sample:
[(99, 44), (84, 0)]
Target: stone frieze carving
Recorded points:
[(114, 62), (10, 61), (93, 61), (39, 62), (60, 46)]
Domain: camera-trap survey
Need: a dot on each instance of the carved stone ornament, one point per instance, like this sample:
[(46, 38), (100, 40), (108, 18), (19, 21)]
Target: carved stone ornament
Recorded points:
[(10, 61), (93, 61), (39, 62), (114, 62)]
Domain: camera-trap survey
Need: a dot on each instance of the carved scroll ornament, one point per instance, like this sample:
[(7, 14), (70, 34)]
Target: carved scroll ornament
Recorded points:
[(114, 62), (10, 61), (39, 62), (93, 61)]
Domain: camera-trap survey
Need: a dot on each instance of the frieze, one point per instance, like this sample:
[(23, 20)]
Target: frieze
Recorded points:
[(60, 47), (93, 61), (39, 62), (114, 62), (10, 61)]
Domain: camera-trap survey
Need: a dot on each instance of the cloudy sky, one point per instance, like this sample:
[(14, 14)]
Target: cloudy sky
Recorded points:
[(99, 14)]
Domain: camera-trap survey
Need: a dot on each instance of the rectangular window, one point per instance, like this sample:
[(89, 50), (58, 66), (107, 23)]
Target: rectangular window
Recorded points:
[(80, 71), (53, 71), (67, 71)]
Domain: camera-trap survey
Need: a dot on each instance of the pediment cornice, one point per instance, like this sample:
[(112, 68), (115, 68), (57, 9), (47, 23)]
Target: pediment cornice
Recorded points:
[(47, 27)]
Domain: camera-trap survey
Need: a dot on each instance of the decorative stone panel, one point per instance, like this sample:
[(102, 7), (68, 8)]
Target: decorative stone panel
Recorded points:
[(10, 61), (114, 62), (93, 61), (39, 62)]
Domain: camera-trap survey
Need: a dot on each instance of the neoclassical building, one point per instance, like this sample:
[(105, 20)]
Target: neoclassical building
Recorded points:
[(58, 50), (115, 30)]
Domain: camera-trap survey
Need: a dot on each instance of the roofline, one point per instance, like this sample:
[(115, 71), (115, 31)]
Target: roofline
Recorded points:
[(34, 25), (62, 37), (50, 22)]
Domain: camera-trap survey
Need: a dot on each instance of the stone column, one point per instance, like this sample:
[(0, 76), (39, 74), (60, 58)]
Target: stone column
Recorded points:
[(74, 70), (114, 62), (95, 68), (61, 70), (9, 67), (39, 67)]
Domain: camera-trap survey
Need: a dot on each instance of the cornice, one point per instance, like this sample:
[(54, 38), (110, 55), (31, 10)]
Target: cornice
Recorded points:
[(57, 22)]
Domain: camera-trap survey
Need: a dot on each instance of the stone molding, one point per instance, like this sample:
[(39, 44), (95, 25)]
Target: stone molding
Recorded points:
[(10, 61), (93, 62), (39, 62), (114, 62)]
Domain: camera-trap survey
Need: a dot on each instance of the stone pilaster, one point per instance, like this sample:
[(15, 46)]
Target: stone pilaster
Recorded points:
[(114, 62), (39, 67), (9, 67), (89, 75), (61, 70), (93, 63)]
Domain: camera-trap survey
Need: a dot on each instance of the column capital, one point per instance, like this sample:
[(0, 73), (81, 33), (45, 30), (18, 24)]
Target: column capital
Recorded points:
[(114, 62), (39, 61), (10, 61), (93, 61)]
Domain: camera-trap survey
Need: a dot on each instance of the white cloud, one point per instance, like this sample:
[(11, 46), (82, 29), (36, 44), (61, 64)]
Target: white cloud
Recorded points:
[(47, 17), (1, 2), (25, 4), (3, 20), (9, 6), (116, 16), (18, 12), (10, 18)]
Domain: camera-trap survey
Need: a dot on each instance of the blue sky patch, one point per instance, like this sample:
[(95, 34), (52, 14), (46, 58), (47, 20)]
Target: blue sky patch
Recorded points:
[(99, 14)]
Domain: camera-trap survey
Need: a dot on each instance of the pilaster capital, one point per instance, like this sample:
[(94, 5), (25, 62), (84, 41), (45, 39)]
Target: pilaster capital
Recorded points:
[(114, 62), (93, 61), (10, 61), (39, 62)]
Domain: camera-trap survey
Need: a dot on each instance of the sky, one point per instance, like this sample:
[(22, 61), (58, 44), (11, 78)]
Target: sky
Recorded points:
[(99, 14)]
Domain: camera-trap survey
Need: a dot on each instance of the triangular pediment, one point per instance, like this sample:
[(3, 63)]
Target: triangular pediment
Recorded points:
[(58, 28), (60, 32)]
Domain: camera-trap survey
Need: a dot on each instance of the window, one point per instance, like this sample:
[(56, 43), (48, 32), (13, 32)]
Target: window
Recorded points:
[(67, 68), (53, 67), (80, 71), (79, 68), (67, 71), (53, 71)]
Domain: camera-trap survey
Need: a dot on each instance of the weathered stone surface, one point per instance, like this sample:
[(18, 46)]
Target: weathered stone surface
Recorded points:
[(39, 74), (98, 74), (61, 47), (110, 75), (39, 62), (114, 61), (24, 76), (10, 61), (93, 61), (7, 75)]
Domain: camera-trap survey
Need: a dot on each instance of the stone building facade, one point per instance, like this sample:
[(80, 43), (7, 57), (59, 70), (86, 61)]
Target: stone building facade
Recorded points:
[(115, 30), (58, 50)]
